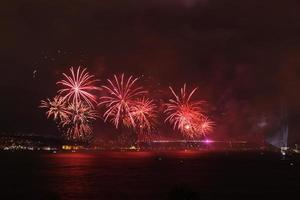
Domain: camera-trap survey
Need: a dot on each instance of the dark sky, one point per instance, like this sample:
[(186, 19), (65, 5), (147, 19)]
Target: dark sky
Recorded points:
[(243, 55)]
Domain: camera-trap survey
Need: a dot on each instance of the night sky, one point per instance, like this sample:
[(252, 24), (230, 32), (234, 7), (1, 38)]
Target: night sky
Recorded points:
[(243, 55)]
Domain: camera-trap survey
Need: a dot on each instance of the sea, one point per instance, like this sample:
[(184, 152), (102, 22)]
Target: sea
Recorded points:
[(156, 175)]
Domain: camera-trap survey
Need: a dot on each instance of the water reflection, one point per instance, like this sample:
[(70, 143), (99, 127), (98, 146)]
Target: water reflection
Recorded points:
[(70, 175), (146, 175), (116, 175)]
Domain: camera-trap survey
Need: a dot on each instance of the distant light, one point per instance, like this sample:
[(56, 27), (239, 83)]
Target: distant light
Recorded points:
[(34, 73), (207, 141)]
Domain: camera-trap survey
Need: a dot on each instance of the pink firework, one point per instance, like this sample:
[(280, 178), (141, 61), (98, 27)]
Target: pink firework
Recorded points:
[(144, 113), (121, 96), (206, 126), (56, 108), (78, 86), (184, 114)]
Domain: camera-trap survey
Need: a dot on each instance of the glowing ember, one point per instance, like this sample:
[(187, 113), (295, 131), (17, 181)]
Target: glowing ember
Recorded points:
[(187, 126)]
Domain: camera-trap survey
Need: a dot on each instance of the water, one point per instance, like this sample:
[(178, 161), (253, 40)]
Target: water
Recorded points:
[(148, 175)]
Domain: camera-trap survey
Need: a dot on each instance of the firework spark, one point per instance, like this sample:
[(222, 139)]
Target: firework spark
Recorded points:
[(122, 95), (144, 113), (75, 118), (56, 108), (184, 114), (78, 86), (82, 112), (80, 119), (206, 126)]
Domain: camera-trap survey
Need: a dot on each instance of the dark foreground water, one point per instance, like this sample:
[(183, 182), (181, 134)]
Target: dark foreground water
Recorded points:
[(148, 175)]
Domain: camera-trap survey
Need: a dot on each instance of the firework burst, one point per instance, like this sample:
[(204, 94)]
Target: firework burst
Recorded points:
[(56, 108), (79, 122), (121, 96), (184, 114), (206, 126), (74, 119), (144, 113), (77, 87), (82, 112)]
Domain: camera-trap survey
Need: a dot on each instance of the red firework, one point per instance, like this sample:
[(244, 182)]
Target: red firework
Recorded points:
[(144, 113), (121, 96), (206, 126), (77, 87), (185, 115)]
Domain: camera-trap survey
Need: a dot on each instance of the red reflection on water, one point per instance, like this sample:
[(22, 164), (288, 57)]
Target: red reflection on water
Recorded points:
[(71, 155), (96, 175), (70, 173)]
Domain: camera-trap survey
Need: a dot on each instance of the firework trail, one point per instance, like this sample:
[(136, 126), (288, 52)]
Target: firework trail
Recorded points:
[(78, 86), (56, 108), (121, 96), (82, 112), (78, 131), (185, 115)]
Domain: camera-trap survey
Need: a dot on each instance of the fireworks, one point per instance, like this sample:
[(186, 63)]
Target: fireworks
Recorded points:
[(78, 131), (78, 86), (122, 95), (186, 115), (124, 103), (143, 113), (79, 121), (82, 113), (74, 118), (206, 126), (73, 107), (56, 108)]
